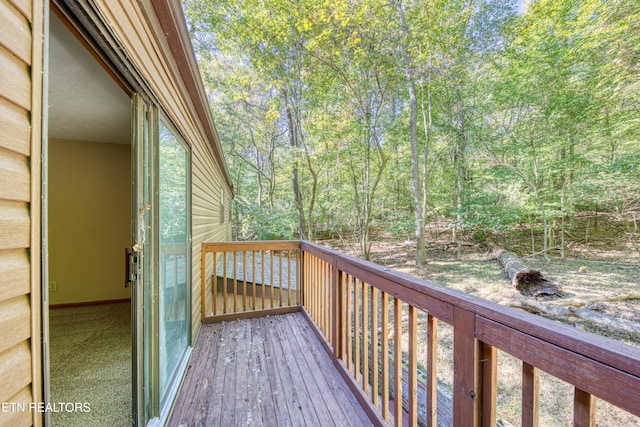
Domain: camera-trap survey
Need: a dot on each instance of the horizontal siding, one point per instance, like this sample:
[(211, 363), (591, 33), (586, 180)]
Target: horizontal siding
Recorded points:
[(15, 128), (24, 7), (14, 225), (14, 273), (15, 315), (16, 79), (16, 33), (15, 176), (18, 418), (15, 370)]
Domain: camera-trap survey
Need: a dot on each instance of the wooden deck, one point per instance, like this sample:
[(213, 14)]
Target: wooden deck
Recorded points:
[(267, 371)]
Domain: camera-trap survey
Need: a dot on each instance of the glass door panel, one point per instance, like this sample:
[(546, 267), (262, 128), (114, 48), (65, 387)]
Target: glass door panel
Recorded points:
[(174, 259)]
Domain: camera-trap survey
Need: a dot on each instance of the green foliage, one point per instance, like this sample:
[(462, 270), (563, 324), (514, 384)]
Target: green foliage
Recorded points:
[(520, 117)]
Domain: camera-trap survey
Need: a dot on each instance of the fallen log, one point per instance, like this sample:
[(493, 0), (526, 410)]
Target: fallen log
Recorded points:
[(527, 281), (563, 312)]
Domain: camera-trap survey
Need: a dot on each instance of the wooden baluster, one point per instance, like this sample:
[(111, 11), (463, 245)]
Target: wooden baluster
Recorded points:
[(350, 322), (235, 282), (289, 278), (356, 327), (328, 302), (224, 282), (215, 284), (280, 283), (530, 395), (365, 337), (489, 364), (584, 409), (336, 312), (385, 355), (397, 361), (321, 297), (244, 280), (375, 343), (314, 289), (413, 366), (271, 278), (299, 272), (304, 275), (324, 300), (432, 371), (253, 277), (262, 267)]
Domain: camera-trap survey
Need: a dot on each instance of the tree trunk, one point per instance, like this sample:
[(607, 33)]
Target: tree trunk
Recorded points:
[(527, 281), (297, 194), (562, 312)]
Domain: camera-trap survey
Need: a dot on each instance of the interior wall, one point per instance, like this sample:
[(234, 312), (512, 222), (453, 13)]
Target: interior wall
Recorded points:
[(89, 220)]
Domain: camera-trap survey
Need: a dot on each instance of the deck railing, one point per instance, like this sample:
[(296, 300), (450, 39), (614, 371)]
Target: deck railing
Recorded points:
[(239, 278), (369, 317)]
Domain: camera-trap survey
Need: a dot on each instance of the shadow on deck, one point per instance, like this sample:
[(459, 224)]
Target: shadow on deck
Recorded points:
[(264, 371)]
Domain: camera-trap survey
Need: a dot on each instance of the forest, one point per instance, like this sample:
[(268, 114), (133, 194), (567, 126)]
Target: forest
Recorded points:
[(346, 119)]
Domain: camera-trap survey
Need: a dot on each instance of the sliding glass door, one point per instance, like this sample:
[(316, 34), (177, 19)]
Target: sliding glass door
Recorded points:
[(160, 263), (174, 260)]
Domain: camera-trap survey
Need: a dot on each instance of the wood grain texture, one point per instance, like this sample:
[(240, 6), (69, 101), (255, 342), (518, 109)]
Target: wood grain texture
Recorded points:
[(595, 377), (489, 366), (530, 395), (465, 404), (432, 371), (438, 300), (261, 371), (584, 409)]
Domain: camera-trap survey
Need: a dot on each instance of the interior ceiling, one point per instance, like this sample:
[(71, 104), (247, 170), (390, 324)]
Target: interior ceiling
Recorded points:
[(85, 103)]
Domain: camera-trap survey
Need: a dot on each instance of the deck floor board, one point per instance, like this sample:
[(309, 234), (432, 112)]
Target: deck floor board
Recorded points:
[(268, 371)]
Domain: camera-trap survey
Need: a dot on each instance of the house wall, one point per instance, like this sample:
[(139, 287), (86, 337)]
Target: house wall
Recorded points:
[(89, 220), (20, 129)]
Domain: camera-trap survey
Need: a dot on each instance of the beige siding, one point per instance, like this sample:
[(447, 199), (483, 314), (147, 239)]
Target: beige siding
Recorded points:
[(138, 29), (20, 116)]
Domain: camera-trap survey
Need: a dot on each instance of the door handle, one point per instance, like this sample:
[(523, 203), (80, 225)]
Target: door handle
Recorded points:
[(127, 267), (131, 266)]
